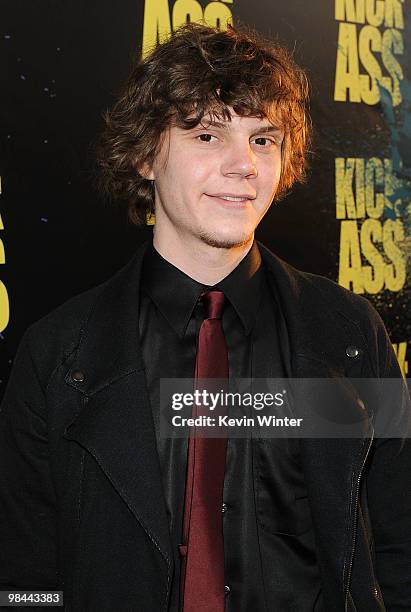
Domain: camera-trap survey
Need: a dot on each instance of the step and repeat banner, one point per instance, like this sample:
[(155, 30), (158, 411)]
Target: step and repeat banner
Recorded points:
[(61, 65)]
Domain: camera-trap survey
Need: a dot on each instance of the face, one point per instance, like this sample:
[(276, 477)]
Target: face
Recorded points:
[(215, 182)]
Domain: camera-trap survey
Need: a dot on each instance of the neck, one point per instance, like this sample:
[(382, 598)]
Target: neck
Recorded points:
[(204, 263)]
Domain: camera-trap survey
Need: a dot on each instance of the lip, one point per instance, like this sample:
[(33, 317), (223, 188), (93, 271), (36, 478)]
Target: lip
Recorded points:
[(231, 204), (247, 196)]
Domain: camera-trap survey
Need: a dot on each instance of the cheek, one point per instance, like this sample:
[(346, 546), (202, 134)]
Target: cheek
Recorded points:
[(269, 177), (198, 172)]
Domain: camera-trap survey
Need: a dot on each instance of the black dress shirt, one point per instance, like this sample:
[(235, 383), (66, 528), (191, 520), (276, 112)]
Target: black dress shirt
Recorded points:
[(270, 559)]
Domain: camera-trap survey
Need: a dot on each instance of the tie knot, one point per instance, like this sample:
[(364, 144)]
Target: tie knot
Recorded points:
[(214, 304)]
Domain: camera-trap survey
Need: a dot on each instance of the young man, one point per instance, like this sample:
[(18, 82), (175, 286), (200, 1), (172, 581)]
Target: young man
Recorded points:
[(211, 128)]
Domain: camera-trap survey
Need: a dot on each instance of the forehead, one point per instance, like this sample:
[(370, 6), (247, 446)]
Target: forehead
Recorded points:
[(241, 122)]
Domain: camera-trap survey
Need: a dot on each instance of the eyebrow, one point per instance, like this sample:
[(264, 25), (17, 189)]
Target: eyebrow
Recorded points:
[(226, 126)]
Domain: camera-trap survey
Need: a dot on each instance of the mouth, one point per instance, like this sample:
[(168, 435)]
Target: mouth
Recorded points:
[(232, 201)]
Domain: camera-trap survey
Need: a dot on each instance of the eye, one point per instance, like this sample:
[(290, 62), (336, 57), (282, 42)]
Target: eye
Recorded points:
[(205, 137), (265, 142)]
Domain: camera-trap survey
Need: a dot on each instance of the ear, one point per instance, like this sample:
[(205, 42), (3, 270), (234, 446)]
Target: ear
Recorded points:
[(146, 171)]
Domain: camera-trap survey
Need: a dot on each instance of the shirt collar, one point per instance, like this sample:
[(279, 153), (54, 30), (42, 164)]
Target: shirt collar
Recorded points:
[(176, 294)]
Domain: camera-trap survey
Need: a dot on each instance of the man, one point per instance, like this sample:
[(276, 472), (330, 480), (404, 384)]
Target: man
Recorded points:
[(210, 129)]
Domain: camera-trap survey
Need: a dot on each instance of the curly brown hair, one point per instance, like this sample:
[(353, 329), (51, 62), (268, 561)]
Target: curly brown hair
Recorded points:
[(201, 71)]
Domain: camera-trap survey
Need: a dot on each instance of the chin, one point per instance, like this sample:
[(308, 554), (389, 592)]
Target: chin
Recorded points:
[(227, 241)]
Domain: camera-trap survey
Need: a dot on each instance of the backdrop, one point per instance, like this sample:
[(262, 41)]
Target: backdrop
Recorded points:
[(61, 66)]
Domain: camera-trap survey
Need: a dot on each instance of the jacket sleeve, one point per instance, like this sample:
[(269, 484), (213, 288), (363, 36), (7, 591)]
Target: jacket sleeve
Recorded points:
[(27, 499), (389, 483)]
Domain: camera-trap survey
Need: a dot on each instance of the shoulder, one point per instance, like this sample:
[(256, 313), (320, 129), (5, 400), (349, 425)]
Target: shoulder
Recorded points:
[(57, 335), (319, 294), (314, 288), (352, 305), (54, 337), (360, 312)]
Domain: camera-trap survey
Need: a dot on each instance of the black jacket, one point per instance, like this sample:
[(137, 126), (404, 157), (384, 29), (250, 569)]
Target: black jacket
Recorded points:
[(81, 502)]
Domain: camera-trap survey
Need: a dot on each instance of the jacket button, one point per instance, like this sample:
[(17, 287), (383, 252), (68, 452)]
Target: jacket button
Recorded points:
[(78, 376), (227, 589), (224, 508), (352, 351)]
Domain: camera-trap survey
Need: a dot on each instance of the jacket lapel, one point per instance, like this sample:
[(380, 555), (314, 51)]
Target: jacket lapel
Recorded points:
[(116, 424)]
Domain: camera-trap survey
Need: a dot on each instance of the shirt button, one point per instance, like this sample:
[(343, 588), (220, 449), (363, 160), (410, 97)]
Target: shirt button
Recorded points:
[(224, 508), (227, 589)]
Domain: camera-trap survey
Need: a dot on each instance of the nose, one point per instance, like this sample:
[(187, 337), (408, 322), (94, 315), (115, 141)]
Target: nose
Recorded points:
[(240, 160)]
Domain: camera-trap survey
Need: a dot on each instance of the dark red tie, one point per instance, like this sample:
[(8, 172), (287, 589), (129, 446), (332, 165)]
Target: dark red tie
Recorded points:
[(202, 551)]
